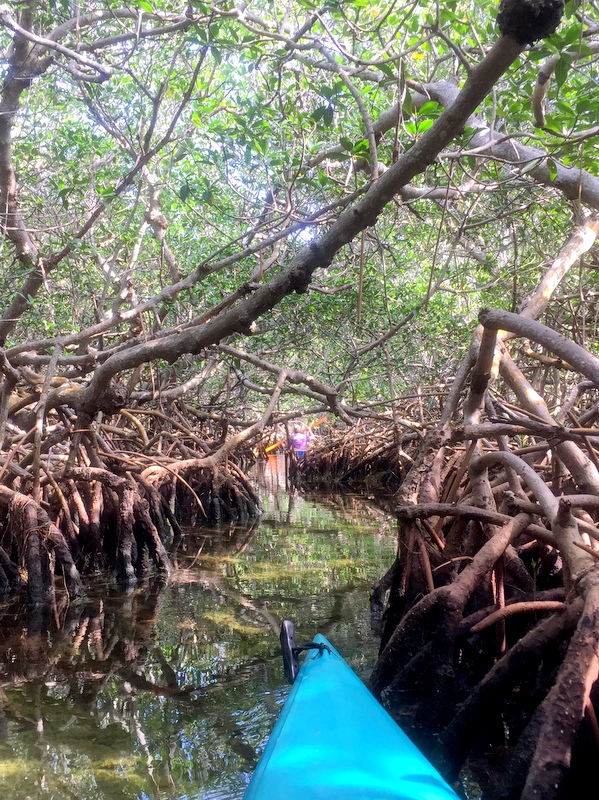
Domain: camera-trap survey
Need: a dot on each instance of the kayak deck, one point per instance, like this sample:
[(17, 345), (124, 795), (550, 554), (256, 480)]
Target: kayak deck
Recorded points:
[(334, 741)]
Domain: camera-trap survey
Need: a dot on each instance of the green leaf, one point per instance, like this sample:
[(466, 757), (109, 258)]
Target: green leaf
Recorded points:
[(429, 108), (571, 8), (561, 71), (552, 169), (424, 126), (539, 54), (567, 114), (533, 164), (388, 70), (184, 191), (573, 34), (447, 16), (107, 194), (144, 5), (346, 143), (327, 116), (583, 105)]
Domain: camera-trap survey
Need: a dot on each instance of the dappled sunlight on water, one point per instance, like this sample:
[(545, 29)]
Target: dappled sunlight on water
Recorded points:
[(172, 693)]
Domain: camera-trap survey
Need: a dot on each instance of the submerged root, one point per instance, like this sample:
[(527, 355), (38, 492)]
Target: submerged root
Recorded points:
[(115, 512), (205, 491), (368, 454), (37, 544)]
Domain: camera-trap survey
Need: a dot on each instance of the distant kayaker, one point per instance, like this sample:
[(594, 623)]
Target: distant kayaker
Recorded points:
[(300, 439)]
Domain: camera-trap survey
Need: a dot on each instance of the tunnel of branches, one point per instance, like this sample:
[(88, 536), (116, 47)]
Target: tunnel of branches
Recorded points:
[(488, 617), (115, 433)]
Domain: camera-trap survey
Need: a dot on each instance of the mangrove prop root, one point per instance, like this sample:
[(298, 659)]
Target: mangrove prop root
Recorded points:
[(563, 709), (460, 735), (512, 535)]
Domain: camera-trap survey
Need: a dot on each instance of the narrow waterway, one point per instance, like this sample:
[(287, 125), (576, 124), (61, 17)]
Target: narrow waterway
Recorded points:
[(172, 693)]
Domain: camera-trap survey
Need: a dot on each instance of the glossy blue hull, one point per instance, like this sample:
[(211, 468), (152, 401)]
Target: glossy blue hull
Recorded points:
[(334, 741)]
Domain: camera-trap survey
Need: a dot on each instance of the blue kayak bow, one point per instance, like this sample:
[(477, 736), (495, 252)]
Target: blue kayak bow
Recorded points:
[(334, 741)]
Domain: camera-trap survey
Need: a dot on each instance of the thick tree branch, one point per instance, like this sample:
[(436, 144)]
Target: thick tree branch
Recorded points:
[(320, 253), (574, 354), (104, 71)]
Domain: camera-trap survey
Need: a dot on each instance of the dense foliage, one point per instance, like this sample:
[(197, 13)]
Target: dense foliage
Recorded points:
[(167, 159), (221, 216)]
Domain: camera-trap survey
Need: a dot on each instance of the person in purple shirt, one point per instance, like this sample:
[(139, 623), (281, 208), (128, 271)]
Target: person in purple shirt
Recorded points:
[(300, 439)]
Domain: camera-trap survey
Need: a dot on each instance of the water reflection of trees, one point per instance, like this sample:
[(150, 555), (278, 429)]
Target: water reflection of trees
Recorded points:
[(97, 694), (92, 706), (162, 691)]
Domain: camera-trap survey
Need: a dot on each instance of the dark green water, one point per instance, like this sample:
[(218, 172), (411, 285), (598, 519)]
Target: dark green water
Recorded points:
[(173, 693)]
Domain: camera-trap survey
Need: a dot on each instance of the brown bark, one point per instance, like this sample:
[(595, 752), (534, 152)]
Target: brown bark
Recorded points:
[(543, 759), (125, 572), (41, 544), (530, 607), (485, 700), (563, 709), (574, 354), (148, 535)]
